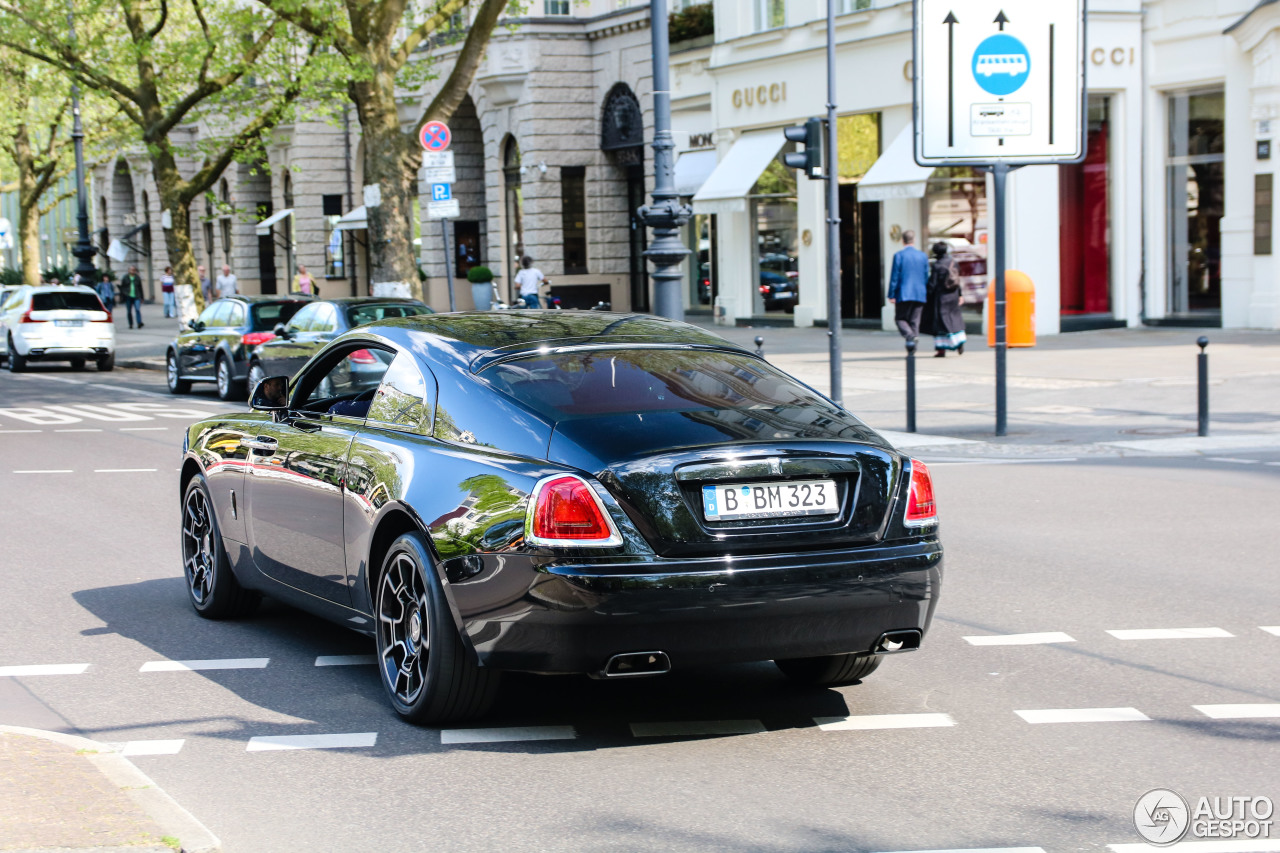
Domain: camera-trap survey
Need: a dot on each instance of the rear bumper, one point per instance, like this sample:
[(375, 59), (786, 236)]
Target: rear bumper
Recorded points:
[(67, 352), (574, 617)]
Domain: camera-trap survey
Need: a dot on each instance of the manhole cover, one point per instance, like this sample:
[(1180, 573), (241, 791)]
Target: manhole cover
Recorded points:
[(1158, 431)]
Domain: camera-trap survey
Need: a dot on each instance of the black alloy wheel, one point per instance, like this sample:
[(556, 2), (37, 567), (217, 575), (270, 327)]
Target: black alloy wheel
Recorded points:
[(215, 593), (17, 364), (829, 671), (177, 385), (429, 676)]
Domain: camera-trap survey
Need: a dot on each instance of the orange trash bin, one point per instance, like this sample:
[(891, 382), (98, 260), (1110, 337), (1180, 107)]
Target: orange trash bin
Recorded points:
[(1020, 310)]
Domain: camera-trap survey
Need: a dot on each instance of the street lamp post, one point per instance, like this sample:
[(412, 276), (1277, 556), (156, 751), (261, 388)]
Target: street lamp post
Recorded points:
[(666, 216), (84, 250)]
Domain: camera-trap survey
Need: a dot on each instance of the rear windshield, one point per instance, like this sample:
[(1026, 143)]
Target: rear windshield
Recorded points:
[(358, 315), (591, 383), (73, 300), (267, 314)]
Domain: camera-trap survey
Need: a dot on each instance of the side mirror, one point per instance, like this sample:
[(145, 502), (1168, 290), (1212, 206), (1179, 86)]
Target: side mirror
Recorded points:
[(282, 331), (195, 325), (271, 395)]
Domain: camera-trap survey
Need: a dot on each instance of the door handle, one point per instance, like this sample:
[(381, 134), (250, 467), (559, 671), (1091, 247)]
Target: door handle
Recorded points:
[(263, 443)]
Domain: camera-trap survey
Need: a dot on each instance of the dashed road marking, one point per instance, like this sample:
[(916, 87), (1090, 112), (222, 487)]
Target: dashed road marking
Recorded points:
[(884, 721), (1170, 634), (1271, 629), (18, 431), (1238, 846), (200, 665), (124, 470), (983, 850), (1083, 715), (507, 734), (45, 471), (1232, 461), (1020, 639), (144, 429), (270, 743), (151, 747), (88, 429), (346, 660), (43, 669), (1250, 711), (694, 729)]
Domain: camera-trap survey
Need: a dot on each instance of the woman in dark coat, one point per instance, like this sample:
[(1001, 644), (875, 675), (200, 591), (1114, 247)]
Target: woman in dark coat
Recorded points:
[(942, 317)]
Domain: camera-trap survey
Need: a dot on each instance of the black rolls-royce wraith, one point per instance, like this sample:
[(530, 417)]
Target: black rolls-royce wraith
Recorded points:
[(561, 492)]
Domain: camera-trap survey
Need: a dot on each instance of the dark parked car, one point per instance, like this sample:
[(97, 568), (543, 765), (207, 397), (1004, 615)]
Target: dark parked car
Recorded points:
[(319, 323), (561, 492), (216, 346), (780, 291)]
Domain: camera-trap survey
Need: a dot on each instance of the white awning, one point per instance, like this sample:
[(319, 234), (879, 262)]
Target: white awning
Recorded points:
[(264, 227), (727, 189), (692, 170), (356, 220), (895, 174)]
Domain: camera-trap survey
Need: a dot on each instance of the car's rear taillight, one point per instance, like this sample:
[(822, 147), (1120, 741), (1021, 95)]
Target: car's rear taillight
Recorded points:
[(921, 507), (27, 318), (362, 356), (106, 319), (764, 288), (252, 339), (565, 510)]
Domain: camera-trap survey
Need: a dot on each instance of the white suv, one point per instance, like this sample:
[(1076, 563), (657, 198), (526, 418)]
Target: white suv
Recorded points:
[(56, 324)]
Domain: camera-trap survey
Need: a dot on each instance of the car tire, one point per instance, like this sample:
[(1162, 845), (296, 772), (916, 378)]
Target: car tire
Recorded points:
[(829, 671), (427, 672), (211, 586), (17, 364), (107, 363), (228, 387), (176, 385), (256, 375), (77, 364)]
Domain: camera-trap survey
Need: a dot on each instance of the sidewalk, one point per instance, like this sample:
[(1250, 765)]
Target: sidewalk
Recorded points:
[(143, 348), (66, 794)]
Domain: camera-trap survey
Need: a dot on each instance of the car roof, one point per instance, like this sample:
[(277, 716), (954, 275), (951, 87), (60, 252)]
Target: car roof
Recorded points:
[(374, 300), (269, 297), (471, 340), (62, 288)]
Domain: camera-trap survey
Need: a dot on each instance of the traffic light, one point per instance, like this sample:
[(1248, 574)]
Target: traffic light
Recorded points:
[(810, 159)]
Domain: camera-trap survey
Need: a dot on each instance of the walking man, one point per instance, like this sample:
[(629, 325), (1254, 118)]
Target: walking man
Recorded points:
[(908, 286), (131, 292), (166, 287), (226, 284)]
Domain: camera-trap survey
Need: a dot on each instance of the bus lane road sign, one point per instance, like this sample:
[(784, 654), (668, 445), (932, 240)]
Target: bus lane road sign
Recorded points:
[(999, 81)]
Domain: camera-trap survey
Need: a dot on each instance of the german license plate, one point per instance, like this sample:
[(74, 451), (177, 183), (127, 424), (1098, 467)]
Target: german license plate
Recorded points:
[(68, 322), (770, 500)]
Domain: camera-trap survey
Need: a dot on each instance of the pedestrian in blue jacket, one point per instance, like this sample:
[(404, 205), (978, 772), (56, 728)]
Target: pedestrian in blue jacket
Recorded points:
[(909, 286)]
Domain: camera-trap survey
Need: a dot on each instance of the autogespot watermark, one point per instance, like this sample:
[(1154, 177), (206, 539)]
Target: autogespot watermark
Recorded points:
[(1162, 817)]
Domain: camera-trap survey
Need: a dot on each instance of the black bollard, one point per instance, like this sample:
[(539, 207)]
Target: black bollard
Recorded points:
[(911, 384), (1204, 386), (760, 346)]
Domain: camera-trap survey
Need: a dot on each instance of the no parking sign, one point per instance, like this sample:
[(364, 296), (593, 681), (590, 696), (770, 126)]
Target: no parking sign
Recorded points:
[(435, 136)]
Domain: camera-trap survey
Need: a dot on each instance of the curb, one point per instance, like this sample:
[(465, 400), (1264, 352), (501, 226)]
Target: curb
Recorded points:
[(140, 363), (162, 808)]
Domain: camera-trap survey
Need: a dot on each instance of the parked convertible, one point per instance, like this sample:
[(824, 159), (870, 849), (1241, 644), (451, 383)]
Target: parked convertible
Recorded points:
[(561, 492)]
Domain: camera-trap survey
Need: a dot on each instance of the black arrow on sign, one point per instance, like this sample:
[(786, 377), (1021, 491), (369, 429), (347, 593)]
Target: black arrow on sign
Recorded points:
[(951, 22), (1002, 19)]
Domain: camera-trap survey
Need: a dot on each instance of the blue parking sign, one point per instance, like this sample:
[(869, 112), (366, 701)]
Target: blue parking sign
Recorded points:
[(441, 192)]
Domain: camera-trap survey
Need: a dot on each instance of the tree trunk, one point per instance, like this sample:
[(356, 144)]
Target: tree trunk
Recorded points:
[(177, 238), (387, 166), (29, 240)]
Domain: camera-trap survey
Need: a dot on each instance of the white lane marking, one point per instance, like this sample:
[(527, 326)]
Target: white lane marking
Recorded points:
[(507, 734), (18, 431), (884, 721), (124, 470), (43, 669), (143, 429), (1271, 845), (94, 429), (1051, 461), (1170, 634), (982, 850), (45, 471), (151, 747), (1020, 639), (693, 729), (1251, 711), (97, 413), (1272, 629), (345, 660), (1083, 715), (1232, 461), (197, 665), (1274, 464), (270, 743)]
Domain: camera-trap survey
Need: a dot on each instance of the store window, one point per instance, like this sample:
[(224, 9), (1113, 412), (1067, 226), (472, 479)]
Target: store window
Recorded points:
[(1196, 171), (1085, 220), (776, 218), (573, 218), (770, 14), (861, 262), (955, 213), (334, 260), (700, 238), (847, 6), (224, 196), (555, 7)]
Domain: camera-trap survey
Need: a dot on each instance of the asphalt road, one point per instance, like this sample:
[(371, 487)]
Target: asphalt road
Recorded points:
[(729, 759)]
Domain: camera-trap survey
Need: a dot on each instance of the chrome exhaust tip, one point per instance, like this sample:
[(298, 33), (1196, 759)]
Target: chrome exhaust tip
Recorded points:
[(635, 665), (894, 642)]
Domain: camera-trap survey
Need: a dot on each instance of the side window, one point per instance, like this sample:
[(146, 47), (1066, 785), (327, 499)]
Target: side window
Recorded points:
[(326, 319), (222, 310), (207, 315), (343, 384), (236, 316), (402, 399), (302, 320)]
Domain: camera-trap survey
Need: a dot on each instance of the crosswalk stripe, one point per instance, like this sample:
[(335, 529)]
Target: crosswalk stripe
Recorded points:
[(981, 850), (43, 669), (695, 728), (151, 747), (1020, 639), (1269, 845), (1169, 633), (1271, 629), (507, 734), (1083, 715), (871, 722), (1248, 711), (346, 660), (197, 665), (270, 743)]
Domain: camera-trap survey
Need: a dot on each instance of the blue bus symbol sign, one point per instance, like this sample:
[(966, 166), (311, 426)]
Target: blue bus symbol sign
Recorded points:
[(1001, 64), (441, 192)]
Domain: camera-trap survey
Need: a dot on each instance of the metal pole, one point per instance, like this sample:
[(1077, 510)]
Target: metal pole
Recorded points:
[(84, 250), (666, 216), (835, 319), (448, 266), (1204, 386), (911, 385), (1001, 172)]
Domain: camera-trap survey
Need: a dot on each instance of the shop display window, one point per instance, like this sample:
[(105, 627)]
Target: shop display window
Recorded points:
[(955, 212), (1196, 170)]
